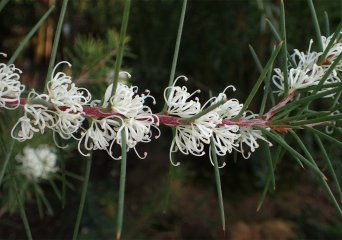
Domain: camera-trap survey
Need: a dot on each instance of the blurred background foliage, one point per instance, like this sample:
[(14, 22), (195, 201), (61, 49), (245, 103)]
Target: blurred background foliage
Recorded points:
[(214, 53)]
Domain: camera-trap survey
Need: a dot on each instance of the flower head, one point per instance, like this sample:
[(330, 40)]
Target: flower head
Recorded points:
[(297, 78), (305, 60), (250, 137), (99, 135), (10, 86), (62, 92), (129, 115), (179, 102), (225, 136), (37, 163), (191, 137), (36, 118)]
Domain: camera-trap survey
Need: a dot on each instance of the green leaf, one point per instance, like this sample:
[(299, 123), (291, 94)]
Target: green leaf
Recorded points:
[(259, 81), (27, 38), (331, 168), (277, 157), (7, 159), (256, 59), (83, 196), (56, 42), (3, 4), (120, 50), (284, 49), (293, 152), (326, 24), (121, 202), (316, 25), (308, 99), (175, 55), (20, 203), (218, 183), (311, 159), (278, 38)]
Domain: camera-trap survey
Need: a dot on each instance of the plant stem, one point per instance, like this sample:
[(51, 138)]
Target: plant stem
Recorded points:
[(83, 196), (120, 50), (203, 112), (56, 42), (122, 185)]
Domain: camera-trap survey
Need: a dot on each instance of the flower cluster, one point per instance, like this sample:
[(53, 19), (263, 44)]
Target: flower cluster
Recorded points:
[(122, 115), (37, 163), (216, 125), (61, 110), (308, 70), (10, 86), (128, 115)]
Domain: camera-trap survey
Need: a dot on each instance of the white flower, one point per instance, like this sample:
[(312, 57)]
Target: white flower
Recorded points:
[(297, 78), (68, 123), (189, 138), (305, 60), (38, 163), (136, 119), (225, 139), (10, 86), (64, 93), (138, 129), (98, 135), (192, 138), (250, 137), (225, 136), (178, 103), (333, 52), (36, 118), (68, 101)]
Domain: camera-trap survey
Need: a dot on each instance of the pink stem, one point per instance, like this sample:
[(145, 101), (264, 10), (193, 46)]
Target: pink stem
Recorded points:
[(174, 121), (282, 103)]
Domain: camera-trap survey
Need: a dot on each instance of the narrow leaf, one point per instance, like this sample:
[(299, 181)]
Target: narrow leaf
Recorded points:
[(259, 81), (122, 186), (175, 54), (316, 25), (83, 196), (331, 168), (56, 41), (120, 49), (27, 38), (218, 184)]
